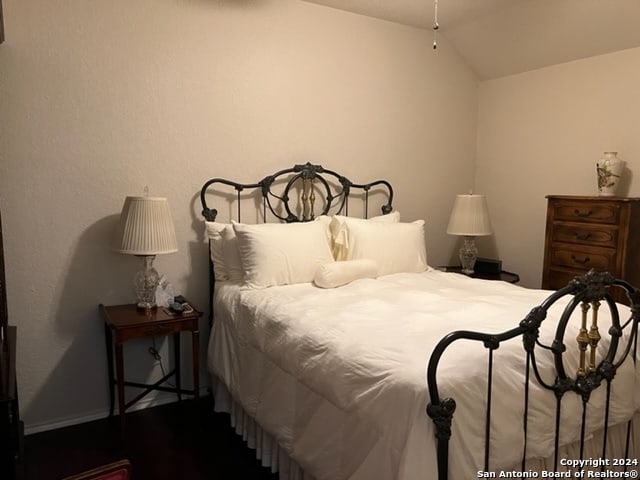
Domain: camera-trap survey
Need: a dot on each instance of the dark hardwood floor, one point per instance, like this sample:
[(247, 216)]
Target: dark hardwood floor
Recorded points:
[(185, 440)]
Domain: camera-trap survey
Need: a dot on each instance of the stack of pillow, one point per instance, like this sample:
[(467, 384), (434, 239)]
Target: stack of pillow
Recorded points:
[(330, 251)]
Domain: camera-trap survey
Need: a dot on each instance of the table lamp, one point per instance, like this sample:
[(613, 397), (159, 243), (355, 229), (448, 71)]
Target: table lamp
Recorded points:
[(469, 219), (146, 230)]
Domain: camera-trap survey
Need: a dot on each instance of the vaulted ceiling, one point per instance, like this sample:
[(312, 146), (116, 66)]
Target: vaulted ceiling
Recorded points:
[(504, 37)]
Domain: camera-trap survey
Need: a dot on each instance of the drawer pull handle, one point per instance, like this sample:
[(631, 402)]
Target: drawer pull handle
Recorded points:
[(581, 260), (583, 236), (580, 213)]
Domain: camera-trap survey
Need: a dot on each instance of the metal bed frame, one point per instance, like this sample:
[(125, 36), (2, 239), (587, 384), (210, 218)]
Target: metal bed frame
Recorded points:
[(296, 190), (589, 293), (292, 195), (337, 189)]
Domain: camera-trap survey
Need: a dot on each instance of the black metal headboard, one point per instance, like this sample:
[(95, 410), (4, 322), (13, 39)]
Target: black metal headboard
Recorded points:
[(308, 180), (291, 195)]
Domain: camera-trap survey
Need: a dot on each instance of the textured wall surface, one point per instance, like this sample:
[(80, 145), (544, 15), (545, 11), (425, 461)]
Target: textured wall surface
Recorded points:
[(541, 133), (100, 99)]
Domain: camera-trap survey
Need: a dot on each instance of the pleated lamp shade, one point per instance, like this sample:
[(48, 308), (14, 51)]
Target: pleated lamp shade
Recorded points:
[(470, 216), (146, 227)]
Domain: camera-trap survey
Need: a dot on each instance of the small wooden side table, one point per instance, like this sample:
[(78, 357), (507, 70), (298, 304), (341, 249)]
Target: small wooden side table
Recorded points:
[(127, 322)]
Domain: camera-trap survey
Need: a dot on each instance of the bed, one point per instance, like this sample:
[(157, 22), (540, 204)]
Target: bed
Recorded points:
[(341, 354)]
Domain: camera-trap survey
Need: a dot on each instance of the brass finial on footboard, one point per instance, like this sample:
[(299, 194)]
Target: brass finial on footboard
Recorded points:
[(588, 338), (583, 340), (594, 335)]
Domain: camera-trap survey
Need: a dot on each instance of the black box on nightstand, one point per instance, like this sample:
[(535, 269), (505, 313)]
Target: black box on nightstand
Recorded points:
[(487, 265)]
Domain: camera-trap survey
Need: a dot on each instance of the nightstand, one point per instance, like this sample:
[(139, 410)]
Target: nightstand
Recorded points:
[(128, 322), (503, 275)]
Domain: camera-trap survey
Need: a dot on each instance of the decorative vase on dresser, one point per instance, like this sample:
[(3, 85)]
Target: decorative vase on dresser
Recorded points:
[(582, 233), (609, 170)]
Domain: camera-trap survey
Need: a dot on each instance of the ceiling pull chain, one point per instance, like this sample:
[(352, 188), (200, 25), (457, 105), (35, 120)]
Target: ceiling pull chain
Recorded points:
[(436, 26)]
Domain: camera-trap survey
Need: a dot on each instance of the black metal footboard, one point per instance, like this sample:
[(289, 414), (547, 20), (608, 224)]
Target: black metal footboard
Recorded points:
[(597, 367)]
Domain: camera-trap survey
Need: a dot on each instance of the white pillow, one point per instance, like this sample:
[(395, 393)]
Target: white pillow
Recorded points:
[(397, 247), (336, 274), (326, 220), (340, 245), (281, 253), (215, 234), (233, 264)]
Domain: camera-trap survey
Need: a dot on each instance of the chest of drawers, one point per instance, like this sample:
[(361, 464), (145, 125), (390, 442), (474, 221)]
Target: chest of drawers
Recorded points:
[(582, 233)]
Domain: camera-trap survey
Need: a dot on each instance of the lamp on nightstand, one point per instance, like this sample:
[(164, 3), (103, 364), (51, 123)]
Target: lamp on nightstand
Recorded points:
[(469, 219), (146, 230)]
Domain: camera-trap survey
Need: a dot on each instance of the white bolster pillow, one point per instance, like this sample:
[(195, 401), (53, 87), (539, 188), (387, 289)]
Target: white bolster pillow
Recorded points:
[(336, 274)]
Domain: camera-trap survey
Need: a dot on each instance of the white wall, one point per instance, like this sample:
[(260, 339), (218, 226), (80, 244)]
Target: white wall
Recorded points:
[(99, 99), (541, 133)]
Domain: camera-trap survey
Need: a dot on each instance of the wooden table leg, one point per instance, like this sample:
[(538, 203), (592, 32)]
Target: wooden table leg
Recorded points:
[(177, 355), (120, 380), (195, 349), (109, 344)]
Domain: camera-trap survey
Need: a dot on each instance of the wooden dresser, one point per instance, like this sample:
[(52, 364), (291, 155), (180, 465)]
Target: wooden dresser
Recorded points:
[(582, 233)]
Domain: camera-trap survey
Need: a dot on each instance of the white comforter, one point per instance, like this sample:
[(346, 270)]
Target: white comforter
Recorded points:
[(338, 376)]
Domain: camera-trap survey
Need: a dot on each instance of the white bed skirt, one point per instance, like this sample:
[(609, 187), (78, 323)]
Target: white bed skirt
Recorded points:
[(266, 447), (275, 458), (616, 441)]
